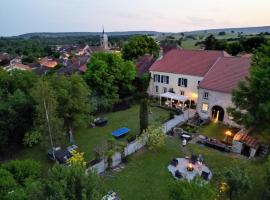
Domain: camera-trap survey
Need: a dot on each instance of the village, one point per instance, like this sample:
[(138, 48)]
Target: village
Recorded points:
[(135, 115)]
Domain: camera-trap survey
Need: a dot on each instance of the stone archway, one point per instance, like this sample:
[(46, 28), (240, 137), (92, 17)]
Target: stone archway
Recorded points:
[(218, 113)]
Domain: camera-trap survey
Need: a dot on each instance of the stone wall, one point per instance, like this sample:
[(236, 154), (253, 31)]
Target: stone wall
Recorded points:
[(215, 98)]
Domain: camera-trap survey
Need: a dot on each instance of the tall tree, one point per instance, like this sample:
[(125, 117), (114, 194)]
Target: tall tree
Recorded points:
[(72, 183), (252, 97), (237, 180), (144, 115), (16, 108), (139, 46), (109, 76), (73, 101), (47, 120)]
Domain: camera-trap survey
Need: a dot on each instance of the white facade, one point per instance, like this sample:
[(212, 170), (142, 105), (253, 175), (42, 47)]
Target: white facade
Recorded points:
[(214, 98), (191, 91)]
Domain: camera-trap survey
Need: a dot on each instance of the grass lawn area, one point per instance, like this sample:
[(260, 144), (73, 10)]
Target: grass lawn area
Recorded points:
[(214, 130), (189, 44), (86, 139), (145, 176)]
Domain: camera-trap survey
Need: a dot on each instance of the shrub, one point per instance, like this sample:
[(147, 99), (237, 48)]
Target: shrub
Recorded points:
[(31, 138), (23, 169)]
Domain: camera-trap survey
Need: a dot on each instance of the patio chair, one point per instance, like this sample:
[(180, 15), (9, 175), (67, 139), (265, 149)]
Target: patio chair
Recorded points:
[(174, 162), (205, 175), (178, 174), (193, 159)]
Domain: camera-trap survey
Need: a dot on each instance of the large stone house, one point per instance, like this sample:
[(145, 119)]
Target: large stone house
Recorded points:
[(205, 77), (180, 71), (216, 88)]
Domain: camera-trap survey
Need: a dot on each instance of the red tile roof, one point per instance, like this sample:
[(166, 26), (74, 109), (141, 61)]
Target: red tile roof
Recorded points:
[(246, 139), (188, 62), (48, 62), (225, 75), (143, 63), (22, 66)]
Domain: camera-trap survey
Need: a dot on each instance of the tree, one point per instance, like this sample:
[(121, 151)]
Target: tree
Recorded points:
[(252, 97), (110, 77), (73, 106), (234, 48), (19, 180), (155, 138), (47, 120), (16, 108), (237, 180), (210, 42), (144, 115), (72, 183), (139, 46), (194, 189)]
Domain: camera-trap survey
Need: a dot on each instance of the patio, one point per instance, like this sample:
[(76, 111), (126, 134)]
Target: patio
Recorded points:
[(173, 100), (186, 169)]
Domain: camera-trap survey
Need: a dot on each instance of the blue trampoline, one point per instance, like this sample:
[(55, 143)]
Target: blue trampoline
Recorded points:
[(120, 132)]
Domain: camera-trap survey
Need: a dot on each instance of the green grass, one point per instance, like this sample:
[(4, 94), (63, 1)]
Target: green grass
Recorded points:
[(145, 176), (87, 138), (214, 130), (189, 44)]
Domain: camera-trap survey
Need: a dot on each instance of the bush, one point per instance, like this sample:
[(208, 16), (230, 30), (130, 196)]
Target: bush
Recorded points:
[(131, 137), (23, 169), (172, 113), (31, 138)]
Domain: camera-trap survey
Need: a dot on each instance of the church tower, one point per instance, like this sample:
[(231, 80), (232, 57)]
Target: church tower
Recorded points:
[(104, 43)]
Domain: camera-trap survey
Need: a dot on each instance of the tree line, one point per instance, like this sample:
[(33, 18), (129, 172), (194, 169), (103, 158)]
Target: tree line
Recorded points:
[(244, 44)]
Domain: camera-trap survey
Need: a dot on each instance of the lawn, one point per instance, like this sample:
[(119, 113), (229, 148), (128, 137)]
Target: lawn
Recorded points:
[(87, 138), (145, 176), (214, 130)]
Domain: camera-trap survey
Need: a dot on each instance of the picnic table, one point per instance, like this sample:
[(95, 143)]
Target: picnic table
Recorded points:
[(120, 132)]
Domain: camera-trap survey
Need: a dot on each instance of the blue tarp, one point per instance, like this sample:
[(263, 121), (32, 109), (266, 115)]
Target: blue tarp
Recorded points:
[(120, 132)]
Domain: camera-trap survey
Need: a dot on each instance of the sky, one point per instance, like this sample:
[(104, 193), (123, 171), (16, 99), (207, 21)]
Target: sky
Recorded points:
[(24, 16)]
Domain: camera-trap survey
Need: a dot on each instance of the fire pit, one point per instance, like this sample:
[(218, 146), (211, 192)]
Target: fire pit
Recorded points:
[(190, 167)]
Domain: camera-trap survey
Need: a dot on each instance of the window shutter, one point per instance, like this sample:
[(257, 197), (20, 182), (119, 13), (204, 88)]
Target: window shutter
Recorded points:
[(162, 79), (168, 78), (158, 78), (185, 82)]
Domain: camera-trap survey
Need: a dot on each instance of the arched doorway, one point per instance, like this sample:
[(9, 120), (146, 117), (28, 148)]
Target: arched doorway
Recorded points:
[(217, 113)]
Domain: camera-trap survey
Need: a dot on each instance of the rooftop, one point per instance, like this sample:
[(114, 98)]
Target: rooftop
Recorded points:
[(188, 62), (226, 74)]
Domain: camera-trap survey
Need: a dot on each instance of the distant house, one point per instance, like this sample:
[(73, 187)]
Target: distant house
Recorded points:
[(18, 66), (48, 62), (216, 88), (143, 64), (180, 71)]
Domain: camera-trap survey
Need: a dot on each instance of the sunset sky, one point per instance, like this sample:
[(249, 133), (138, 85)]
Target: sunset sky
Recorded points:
[(23, 16)]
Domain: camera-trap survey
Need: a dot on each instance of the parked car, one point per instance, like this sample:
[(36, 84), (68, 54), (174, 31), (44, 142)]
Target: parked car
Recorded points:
[(60, 155), (72, 147)]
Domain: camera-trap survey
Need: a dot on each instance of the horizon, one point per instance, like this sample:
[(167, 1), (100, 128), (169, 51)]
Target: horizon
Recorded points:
[(32, 16)]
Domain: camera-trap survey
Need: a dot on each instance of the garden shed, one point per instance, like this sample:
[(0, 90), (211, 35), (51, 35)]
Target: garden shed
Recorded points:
[(244, 144)]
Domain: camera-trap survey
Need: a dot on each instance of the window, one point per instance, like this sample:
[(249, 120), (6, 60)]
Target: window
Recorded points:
[(164, 89), (204, 107), (182, 82), (182, 92), (205, 95), (156, 88), (199, 82), (164, 79), (156, 78)]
